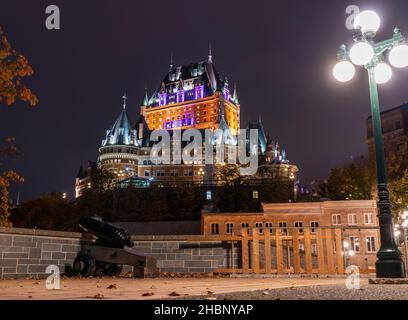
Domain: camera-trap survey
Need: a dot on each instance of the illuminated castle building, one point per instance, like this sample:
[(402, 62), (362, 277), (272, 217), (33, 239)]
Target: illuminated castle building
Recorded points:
[(190, 96)]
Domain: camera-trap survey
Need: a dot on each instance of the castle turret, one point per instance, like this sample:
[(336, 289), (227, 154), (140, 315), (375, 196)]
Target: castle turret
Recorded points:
[(118, 153)]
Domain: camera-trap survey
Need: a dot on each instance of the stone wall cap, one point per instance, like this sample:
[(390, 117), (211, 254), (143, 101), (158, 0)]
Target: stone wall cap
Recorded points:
[(43, 233)]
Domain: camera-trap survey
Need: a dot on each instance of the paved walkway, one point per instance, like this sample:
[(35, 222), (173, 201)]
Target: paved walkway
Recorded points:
[(139, 289)]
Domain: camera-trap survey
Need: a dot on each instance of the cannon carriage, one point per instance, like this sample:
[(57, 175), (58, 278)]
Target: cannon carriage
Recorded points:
[(111, 251)]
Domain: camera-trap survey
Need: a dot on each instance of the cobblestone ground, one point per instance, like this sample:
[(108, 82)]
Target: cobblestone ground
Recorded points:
[(140, 289), (324, 292), (244, 288)]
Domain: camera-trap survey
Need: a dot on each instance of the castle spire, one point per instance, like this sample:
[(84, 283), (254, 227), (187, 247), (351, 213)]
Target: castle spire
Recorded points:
[(145, 98), (235, 96), (171, 61), (209, 54), (124, 101)]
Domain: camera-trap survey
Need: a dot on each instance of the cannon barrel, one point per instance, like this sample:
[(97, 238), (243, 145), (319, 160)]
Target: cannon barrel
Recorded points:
[(108, 234)]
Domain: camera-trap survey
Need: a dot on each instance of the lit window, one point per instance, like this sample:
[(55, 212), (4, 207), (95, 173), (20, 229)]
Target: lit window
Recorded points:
[(352, 219), (354, 244), (283, 225), (314, 224), (229, 228), (255, 194), (336, 219), (314, 248), (208, 195), (371, 244), (368, 218)]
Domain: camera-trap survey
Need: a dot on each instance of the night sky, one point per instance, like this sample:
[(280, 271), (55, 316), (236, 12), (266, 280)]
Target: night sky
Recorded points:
[(280, 53)]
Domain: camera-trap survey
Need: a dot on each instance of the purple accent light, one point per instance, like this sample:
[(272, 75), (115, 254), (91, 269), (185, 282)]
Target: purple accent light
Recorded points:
[(199, 92), (162, 99), (180, 96), (178, 123)]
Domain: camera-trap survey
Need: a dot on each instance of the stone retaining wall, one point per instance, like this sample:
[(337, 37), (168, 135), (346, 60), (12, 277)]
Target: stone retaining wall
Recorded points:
[(175, 254), (26, 253)]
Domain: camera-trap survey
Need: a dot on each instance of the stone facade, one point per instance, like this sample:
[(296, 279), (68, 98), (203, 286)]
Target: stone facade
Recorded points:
[(395, 130), (357, 220)]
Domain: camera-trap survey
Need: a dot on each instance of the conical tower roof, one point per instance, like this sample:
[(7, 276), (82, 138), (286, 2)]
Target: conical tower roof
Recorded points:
[(121, 132)]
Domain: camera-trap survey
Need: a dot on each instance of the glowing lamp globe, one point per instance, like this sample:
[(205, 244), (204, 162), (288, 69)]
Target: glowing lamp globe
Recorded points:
[(399, 56), (361, 53), (344, 71), (368, 21), (382, 73)]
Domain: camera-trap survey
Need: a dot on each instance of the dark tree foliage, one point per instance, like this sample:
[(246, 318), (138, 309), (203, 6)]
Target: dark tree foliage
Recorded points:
[(132, 204)]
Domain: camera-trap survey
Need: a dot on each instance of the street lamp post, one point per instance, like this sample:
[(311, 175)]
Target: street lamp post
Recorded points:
[(365, 52)]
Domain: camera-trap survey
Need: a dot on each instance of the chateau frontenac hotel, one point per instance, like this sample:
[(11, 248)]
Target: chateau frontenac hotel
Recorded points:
[(192, 96)]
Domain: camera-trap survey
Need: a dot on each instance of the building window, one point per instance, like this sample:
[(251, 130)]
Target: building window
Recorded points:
[(258, 226), (255, 194), (283, 225), (147, 173), (208, 195), (269, 226), (314, 225), (336, 220), (314, 248), (245, 225), (354, 244), (352, 219), (368, 218), (215, 228), (299, 226), (229, 228), (371, 244)]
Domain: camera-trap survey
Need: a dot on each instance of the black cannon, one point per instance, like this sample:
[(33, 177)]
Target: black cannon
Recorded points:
[(107, 234), (110, 251)]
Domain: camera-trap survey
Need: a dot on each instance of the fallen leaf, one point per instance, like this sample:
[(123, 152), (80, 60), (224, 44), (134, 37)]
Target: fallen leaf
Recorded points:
[(174, 294), (211, 298), (147, 294), (112, 286), (265, 293), (153, 287), (99, 296), (29, 297), (210, 292)]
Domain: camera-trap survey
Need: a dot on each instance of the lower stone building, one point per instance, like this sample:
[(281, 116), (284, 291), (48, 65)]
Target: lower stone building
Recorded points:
[(357, 220)]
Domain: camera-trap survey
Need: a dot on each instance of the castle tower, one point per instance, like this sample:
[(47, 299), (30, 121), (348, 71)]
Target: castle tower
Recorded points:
[(192, 96), (119, 150)]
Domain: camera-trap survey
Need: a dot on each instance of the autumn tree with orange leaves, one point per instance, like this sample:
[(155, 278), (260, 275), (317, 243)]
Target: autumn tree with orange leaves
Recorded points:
[(13, 68)]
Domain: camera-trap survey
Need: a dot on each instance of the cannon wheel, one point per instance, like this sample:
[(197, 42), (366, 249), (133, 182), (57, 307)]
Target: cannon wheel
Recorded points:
[(84, 264), (108, 269)]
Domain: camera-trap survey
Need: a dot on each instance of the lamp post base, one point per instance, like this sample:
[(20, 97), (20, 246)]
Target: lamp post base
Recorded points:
[(390, 268)]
